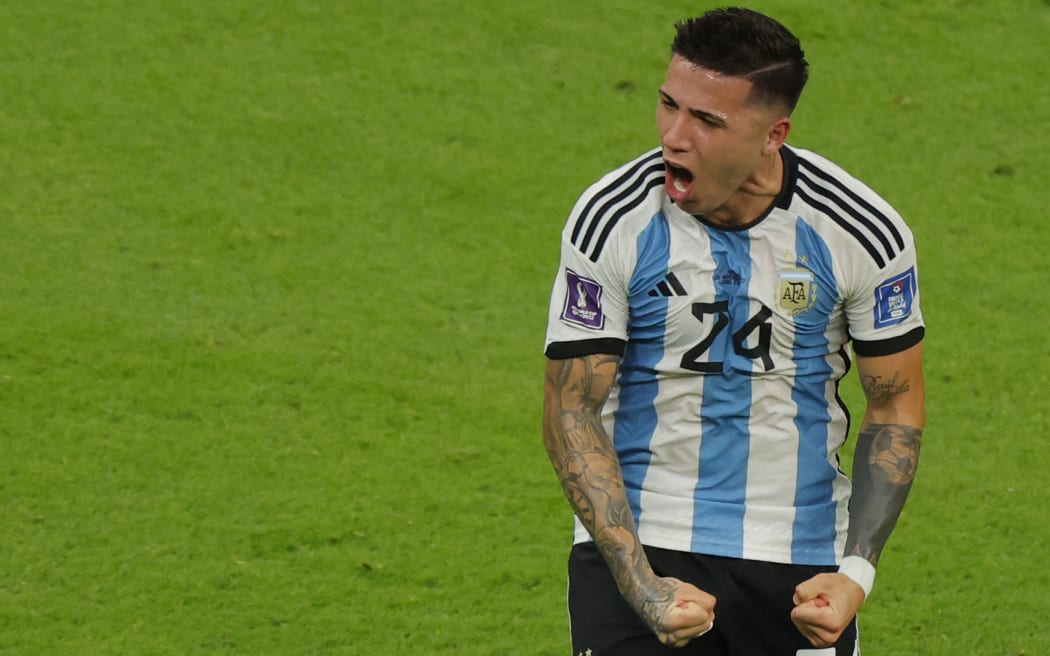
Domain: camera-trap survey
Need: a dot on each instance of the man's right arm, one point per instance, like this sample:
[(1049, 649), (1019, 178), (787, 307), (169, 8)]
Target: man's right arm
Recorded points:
[(585, 460)]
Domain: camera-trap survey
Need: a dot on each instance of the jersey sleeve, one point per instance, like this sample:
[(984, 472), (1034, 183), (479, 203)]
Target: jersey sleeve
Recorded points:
[(588, 310), (884, 310)]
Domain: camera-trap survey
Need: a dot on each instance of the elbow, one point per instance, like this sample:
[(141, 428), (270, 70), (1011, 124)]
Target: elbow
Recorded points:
[(903, 412)]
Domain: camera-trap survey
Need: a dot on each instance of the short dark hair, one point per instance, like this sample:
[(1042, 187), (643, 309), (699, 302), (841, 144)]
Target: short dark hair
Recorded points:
[(744, 43)]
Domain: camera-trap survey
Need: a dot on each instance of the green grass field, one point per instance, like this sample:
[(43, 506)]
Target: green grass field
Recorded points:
[(273, 286)]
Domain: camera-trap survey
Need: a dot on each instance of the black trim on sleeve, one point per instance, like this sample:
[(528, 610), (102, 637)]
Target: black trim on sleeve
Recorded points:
[(889, 346), (569, 350)]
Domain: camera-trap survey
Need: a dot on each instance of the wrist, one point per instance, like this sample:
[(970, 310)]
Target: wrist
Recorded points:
[(860, 571)]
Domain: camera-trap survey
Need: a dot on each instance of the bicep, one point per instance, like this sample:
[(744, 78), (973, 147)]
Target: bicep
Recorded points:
[(894, 387), (581, 383), (574, 391)]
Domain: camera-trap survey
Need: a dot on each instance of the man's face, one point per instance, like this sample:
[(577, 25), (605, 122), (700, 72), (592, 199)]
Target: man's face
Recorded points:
[(713, 139)]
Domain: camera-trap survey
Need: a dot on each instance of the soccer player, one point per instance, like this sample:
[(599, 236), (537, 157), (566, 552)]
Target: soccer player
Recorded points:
[(711, 295)]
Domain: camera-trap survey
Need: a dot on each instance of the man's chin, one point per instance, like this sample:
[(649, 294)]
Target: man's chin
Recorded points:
[(689, 204)]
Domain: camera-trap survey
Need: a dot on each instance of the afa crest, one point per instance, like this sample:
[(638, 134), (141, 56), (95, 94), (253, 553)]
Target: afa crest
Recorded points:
[(797, 292)]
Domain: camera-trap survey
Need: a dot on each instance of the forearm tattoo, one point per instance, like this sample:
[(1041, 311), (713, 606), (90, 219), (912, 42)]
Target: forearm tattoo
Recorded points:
[(587, 466), (884, 466)]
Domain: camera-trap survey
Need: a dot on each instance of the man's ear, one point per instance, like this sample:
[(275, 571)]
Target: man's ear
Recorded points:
[(777, 135)]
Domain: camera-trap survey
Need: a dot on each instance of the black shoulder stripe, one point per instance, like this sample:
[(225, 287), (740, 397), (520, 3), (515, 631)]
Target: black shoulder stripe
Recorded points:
[(853, 196), (655, 181), (846, 208), (845, 225), (628, 192), (611, 188)]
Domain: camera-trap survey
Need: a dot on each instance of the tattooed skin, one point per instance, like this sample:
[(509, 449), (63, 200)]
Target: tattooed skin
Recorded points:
[(876, 389), (587, 466), (895, 450), (885, 462)]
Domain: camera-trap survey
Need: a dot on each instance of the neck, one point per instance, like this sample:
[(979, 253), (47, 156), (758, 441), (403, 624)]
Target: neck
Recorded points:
[(754, 198)]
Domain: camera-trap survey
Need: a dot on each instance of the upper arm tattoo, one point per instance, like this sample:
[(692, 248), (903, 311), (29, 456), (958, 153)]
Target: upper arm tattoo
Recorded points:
[(877, 388), (576, 390)]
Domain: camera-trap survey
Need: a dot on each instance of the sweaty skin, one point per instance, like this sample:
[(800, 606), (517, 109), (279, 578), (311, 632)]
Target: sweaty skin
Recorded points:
[(721, 151), (587, 466), (884, 465)]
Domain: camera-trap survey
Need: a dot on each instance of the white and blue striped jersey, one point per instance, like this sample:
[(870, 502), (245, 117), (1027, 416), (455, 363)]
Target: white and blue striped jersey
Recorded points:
[(725, 414)]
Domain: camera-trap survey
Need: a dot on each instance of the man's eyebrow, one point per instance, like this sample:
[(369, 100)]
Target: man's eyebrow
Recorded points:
[(703, 115), (666, 96), (720, 119)]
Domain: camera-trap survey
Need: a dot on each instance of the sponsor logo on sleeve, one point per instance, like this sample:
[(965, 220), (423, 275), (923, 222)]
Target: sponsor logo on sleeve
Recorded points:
[(583, 301), (894, 298)]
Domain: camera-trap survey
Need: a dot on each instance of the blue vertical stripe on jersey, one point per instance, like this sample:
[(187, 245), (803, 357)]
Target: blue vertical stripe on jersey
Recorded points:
[(635, 416), (813, 540), (721, 489)]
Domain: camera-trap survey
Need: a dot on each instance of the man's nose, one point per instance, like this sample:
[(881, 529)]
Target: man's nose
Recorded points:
[(675, 136)]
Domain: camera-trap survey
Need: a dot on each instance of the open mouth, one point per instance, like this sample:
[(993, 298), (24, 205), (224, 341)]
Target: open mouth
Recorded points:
[(679, 181)]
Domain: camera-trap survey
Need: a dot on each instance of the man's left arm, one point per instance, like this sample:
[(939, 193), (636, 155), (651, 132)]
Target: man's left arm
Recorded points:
[(887, 452), (884, 465)]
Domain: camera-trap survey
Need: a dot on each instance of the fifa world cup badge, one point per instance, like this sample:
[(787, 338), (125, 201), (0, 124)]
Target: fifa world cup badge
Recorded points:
[(583, 301)]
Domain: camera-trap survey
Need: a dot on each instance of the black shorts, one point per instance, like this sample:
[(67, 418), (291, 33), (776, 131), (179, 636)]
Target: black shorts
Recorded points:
[(752, 615)]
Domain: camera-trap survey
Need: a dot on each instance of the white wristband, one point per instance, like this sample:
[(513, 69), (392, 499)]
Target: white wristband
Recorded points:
[(860, 570)]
